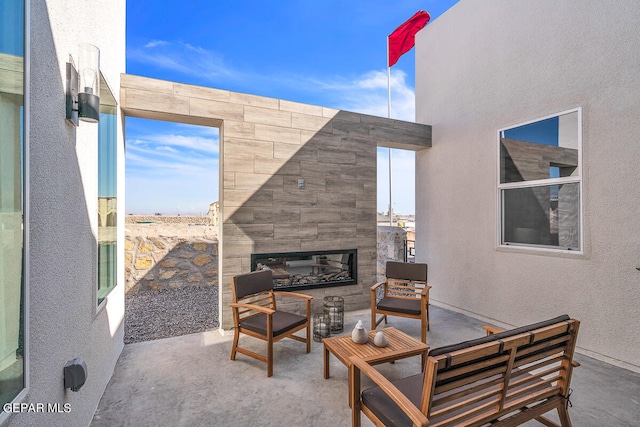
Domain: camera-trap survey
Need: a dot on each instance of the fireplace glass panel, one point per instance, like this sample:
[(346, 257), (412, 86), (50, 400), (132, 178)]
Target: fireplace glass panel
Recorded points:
[(307, 270)]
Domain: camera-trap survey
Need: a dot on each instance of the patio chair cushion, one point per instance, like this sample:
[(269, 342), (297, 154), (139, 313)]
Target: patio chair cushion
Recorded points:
[(253, 283), (406, 271), (400, 305), (282, 322)]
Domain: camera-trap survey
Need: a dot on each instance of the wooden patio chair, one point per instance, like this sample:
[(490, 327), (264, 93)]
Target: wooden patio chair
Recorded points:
[(405, 294), (255, 314)]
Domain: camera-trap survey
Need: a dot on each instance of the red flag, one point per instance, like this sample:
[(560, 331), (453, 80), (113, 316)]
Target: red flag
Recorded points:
[(403, 38)]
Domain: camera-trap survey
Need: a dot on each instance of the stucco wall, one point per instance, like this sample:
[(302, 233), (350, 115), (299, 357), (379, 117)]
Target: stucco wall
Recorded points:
[(63, 320), (487, 65)]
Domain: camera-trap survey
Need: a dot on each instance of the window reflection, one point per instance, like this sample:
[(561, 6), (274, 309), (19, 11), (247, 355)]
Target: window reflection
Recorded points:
[(545, 215), (540, 150), (107, 194)]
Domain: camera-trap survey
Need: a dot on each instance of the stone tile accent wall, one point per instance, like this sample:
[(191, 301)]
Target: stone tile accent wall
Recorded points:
[(266, 146)]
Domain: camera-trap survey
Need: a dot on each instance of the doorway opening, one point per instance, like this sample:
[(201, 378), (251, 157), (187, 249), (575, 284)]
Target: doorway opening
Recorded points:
[(171, 229), (396, 207)]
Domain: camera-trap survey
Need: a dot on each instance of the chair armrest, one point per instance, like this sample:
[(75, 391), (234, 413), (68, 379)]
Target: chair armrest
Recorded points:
[(425, 291), (259, 308), (492, 329), (293, 294), (376, 286), (358, 365)]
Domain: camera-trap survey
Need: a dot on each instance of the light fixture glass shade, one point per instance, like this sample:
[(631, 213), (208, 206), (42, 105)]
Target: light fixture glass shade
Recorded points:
[(89, 83)]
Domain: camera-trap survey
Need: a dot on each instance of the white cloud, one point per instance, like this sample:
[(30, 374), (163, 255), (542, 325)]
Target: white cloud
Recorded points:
[(155, 43), (183, 58), (368, 94), (151, 161), (191, 142), (166, 148)]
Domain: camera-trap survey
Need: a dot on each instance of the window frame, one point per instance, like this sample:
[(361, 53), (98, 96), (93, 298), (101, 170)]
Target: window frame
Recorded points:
[(107, 99), (573, 179), (26, 211)]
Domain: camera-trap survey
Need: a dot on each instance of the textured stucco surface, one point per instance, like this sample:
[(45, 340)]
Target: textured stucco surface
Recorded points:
[(63, 320), (487, 65)]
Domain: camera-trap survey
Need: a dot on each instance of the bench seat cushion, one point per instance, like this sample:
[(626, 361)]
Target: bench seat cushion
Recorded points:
[(385, 409), (391, 415), (400, 305), (282, 322)]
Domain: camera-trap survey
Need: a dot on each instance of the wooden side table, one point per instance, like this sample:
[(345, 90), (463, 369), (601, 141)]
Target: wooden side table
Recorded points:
[(400, 346)]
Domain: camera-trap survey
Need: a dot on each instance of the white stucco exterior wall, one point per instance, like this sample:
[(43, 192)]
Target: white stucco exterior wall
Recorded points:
[(486, 65), (63, 319)]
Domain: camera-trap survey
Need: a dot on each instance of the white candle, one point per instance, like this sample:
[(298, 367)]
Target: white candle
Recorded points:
[(323, 329), (333, 315)]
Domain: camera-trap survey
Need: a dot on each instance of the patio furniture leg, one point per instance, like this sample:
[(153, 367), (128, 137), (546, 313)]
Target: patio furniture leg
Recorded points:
[(308, 326), (269, 358), (428, 321), (373, 311), (563, 413), (236, 336), (327, 373)]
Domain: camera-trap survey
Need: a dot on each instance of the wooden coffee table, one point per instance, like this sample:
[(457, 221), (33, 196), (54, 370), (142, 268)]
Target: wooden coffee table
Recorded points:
[(400, 346)]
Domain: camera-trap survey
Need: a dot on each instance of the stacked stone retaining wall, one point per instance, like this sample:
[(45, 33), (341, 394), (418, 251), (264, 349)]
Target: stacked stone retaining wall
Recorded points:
[(157, 262), (390, 247), (167, 219)]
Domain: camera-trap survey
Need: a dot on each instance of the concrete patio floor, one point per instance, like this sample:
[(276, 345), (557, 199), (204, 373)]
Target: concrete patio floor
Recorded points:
[(190, 381)]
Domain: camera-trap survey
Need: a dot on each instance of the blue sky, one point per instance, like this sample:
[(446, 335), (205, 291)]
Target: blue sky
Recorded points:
[(330, 53)]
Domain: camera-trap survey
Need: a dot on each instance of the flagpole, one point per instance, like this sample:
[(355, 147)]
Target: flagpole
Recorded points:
[(389, 115), (388, 82), (403, 41)]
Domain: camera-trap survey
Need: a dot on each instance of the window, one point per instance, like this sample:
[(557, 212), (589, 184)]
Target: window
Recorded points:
[(11, 200), (540, 187), (107, 192)]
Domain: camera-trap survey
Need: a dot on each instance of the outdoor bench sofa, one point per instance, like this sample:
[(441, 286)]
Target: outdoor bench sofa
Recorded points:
[(502, 379)]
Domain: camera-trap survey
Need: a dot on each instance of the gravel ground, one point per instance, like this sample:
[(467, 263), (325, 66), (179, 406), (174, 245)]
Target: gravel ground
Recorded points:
[(151, 315)]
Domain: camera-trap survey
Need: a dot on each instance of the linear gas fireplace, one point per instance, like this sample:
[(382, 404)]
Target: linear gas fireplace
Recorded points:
[(309, 270)]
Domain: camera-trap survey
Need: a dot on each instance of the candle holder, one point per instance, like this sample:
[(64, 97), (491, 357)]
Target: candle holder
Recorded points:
[(334, 307), (321, 326)]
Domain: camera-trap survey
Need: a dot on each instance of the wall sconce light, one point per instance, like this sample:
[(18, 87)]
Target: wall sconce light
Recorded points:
[(83, 86)]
